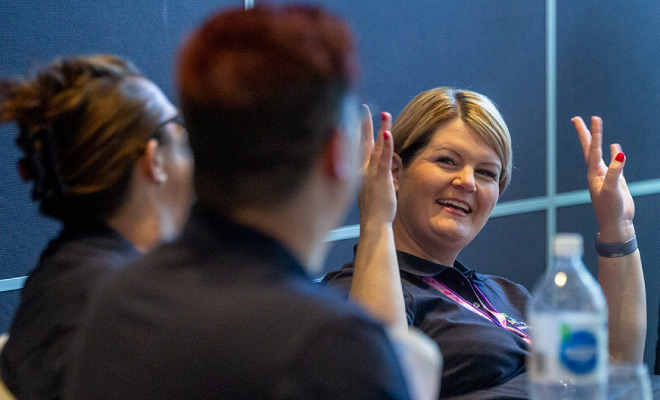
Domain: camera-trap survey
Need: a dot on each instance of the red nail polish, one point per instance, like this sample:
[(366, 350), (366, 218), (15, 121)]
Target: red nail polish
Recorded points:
[(383, 116), (386, 135), (620, 157)]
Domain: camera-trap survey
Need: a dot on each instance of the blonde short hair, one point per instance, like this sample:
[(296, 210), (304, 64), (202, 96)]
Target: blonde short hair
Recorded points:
[(414, 127)]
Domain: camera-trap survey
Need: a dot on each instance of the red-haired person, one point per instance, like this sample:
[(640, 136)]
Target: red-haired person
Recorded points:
[(228, 310)]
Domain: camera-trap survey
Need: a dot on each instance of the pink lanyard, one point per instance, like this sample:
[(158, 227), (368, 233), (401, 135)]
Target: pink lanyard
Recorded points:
[(493, 315)]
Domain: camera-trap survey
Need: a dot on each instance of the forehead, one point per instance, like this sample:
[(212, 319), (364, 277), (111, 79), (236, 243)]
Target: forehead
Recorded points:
[(458, 136)]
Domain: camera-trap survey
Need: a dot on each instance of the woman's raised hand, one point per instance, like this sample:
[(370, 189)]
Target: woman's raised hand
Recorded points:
[(612, 201), (376, 282), (377, 198)]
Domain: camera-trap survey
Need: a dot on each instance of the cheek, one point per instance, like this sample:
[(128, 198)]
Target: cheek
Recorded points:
[(489, 198), (182, 167)]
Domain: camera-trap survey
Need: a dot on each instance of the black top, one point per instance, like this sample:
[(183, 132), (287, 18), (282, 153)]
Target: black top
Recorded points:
[(226, 312), (481, 358), (37, 355)]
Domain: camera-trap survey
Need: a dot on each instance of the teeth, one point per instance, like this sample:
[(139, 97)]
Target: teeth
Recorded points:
[(455, 204)]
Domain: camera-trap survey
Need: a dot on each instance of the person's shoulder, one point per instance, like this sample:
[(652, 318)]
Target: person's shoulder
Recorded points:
[(506, 285), (72, 264), (88, 249), (326, 299), (509, 293), (334, 356)]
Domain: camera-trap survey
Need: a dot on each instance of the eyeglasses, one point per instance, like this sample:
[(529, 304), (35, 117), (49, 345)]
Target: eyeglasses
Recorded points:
[(158, 133)]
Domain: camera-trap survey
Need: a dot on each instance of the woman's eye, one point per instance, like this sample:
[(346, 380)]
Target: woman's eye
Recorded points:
[(487, 173), (445, 160)]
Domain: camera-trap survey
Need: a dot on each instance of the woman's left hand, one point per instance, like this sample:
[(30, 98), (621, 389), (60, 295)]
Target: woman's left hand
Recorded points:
[(612, 201)]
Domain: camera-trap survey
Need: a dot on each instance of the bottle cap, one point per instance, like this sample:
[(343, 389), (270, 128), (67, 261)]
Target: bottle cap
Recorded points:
[(568, 245)]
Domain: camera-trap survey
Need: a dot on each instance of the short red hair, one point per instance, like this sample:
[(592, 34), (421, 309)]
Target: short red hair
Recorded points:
[(238, 57), (261, 90)]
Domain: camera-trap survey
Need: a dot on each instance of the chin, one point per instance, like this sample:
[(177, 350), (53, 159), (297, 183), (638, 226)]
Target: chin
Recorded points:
[(457, 237)]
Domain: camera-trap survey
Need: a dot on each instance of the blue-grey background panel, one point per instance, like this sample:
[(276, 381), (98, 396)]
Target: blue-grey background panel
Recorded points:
[(608, 61)]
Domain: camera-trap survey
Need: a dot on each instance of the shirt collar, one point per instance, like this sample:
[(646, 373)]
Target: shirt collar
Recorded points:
[(421, 267), (250, 241), (100, 234)]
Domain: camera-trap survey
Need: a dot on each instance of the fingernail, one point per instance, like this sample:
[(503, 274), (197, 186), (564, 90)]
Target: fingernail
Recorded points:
[(386, 135), (383, 115), (620, 157)]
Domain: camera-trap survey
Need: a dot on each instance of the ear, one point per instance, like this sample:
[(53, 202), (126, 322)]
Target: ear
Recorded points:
[(397, 170), (152, 163), (335, 163)]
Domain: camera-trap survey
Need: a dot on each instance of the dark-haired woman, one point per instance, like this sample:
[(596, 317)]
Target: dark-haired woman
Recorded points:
[(107, 155)]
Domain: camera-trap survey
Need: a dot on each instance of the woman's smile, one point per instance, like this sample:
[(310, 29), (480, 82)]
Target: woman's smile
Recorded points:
[(457, 207)]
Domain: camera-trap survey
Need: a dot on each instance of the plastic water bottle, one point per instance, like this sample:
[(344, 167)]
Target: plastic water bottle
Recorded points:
[(568, 317)]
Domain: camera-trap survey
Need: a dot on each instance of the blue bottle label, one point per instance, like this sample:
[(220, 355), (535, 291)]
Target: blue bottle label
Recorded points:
[(568, 347), (579, 350)]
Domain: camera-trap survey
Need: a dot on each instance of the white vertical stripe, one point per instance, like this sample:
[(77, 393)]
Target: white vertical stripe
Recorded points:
[(551, 121)]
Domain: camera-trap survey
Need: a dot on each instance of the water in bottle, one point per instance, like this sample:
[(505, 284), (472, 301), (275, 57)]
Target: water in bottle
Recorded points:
[(568, 317)]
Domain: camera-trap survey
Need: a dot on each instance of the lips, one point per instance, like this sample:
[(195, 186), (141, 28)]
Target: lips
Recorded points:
[(458, 205)]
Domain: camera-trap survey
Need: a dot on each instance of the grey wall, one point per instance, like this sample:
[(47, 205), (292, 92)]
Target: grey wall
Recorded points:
[(605, 54)]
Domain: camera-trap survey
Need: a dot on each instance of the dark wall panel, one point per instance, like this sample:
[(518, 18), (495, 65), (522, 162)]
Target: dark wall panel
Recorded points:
[(608, 62)]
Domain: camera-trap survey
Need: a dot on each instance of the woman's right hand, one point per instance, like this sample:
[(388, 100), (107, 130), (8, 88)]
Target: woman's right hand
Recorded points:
[(376, 282), (377, 197)]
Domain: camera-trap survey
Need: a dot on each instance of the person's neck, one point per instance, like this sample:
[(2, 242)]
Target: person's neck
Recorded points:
[(291, 226), (141, 230), (138, 221)]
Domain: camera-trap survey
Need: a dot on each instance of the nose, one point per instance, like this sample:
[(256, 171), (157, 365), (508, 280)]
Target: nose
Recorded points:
[(464, 180)]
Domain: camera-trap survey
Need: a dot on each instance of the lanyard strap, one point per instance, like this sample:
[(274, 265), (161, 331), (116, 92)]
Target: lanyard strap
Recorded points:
[(492, 315)]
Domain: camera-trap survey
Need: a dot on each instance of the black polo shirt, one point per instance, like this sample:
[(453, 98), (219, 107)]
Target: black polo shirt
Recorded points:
[(226, 312), (482, 360), (36, 358)]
